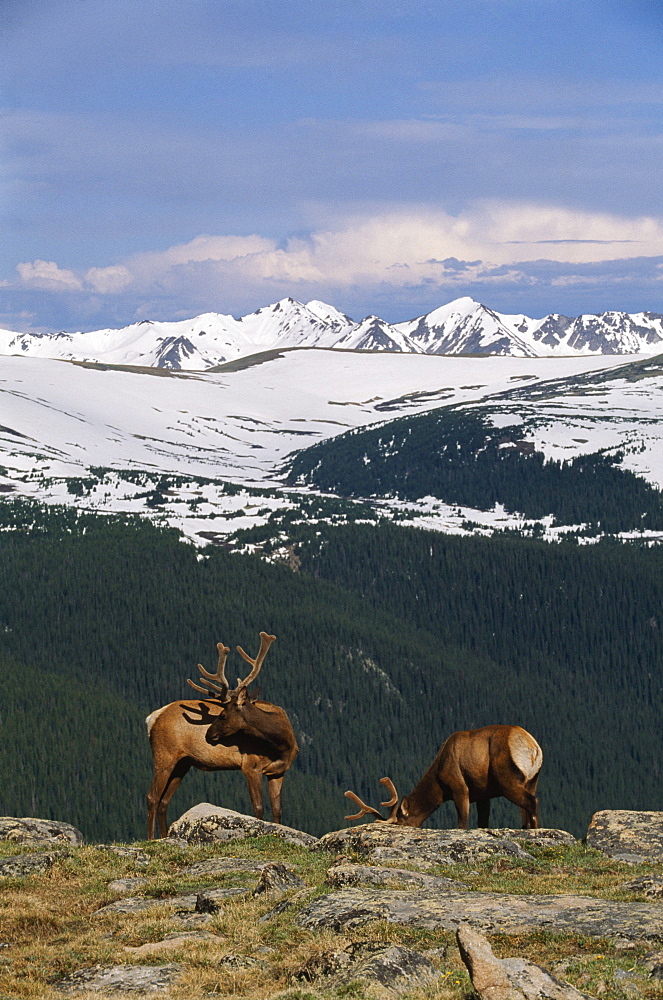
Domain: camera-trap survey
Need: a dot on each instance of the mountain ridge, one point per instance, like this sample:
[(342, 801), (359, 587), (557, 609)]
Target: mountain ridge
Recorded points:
[(462, 326)]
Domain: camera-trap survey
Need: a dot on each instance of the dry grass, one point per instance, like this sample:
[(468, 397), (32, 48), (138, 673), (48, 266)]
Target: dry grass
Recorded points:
[(48, 926)]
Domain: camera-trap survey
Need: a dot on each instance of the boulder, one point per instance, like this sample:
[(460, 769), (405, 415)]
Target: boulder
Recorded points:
[(275, 877), (627, 836), (509, 978), (489, 911), (653, 963), (121, 979), (391, 968), (38, 831), (395, 878), (541, 837), (206, 824), (202, 901), (172, 942), (139, 858), (123, 885), (20, 865), (223, 866), (648, 885), (405, 844)]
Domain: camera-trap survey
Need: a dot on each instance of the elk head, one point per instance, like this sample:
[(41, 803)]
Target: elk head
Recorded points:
[(393, 804), (236, 702)]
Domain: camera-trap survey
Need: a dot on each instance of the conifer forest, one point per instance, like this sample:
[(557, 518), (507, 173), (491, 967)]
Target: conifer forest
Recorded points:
[(388, 639)]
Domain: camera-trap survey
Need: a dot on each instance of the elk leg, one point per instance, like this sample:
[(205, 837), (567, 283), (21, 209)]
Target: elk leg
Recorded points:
[(274, 789), (483, 813), (174, 781), (462, 803), (164, 784), (528, 806), (253, 774)]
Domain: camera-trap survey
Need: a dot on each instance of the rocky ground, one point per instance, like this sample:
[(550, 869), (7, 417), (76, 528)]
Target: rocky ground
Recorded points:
[(231, 906)]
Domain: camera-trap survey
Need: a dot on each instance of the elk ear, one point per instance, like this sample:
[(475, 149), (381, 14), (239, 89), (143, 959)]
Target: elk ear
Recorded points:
[(241, 698), (404, 808)]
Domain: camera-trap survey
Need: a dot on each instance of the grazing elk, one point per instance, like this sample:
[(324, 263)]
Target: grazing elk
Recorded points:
[(224, 731), (475, 765)]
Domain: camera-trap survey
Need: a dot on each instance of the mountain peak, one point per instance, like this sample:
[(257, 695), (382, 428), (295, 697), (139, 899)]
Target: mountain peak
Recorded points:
[(462, 326)]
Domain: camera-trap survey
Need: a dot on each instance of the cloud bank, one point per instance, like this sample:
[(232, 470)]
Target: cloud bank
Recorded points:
[(491, 244)]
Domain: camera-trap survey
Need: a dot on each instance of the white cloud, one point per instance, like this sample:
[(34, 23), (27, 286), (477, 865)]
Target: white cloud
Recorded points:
[(108, 280), (46, 274), (391, 249)]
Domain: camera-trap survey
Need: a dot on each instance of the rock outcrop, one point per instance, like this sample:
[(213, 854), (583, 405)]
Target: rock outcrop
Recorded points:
[(626, 835), (121, 978), (344, 874), (20, 865), (508, 978), (206, 823), (489, 911), (381, 843), (392, 968), (38, 831)]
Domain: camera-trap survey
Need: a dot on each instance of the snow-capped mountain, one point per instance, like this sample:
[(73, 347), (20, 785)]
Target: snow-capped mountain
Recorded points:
[(460, 327)]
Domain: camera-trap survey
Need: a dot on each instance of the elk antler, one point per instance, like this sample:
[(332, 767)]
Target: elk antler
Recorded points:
[(265, 643), (215, 682), (365, 810)]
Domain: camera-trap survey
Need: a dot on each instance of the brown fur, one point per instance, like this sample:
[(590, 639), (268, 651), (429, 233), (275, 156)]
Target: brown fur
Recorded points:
[(224, 732), (474, 765)]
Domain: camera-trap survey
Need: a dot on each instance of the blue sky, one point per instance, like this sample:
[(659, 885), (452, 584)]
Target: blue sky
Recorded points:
[(163, 158)]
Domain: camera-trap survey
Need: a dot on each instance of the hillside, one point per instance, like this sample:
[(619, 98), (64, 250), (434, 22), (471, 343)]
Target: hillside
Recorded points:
[(207, 452), (388, 640)]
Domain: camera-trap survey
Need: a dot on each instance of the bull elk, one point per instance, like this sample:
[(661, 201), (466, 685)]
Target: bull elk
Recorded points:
[(224, 731), (474, 765)]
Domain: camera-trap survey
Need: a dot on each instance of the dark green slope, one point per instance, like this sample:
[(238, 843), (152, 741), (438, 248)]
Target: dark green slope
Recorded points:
[(388, 640), (458, 457)]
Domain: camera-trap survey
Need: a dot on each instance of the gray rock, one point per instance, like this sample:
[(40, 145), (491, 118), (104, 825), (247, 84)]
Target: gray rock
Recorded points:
[(187, 902), (394, 878), (172, 942), (21, 865), (392, 968), (130, 904), (122, 851), (542, 837), (395, 969), (629, 982), (38, 831), (626, 835), (423, 848), (488, 911), (127, 884), (223, 866), (275, 877), (239, 961), (649, 885), (488, 976), (206, 824), (192, 921), (653, 963), (281, 907), (510, 978), (536, 983), (121, 979)]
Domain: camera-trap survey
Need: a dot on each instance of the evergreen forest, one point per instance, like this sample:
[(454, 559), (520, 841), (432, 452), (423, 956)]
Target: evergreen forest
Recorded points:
[(388, 639), (457, 456)]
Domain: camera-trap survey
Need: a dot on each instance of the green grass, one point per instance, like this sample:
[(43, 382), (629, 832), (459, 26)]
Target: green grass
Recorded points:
[(48, 922)]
